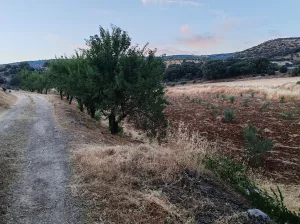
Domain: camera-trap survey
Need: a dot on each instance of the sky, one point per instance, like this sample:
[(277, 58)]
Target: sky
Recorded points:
[(39, 29)]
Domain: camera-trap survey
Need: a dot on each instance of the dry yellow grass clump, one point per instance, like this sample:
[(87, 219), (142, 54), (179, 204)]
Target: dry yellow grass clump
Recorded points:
[(6, 100), (118, 182)]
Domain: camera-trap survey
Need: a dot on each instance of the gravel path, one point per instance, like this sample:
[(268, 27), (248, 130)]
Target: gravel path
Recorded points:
[(40, 193)]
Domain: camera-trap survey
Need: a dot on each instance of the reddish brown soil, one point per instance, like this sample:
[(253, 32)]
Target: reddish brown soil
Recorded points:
[(282, 163)]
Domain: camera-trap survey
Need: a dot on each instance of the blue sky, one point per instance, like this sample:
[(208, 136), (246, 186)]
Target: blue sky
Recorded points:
[(38, 29)]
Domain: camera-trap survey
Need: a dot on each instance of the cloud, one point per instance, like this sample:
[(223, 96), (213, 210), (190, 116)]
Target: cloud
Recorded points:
[(185, 29), (197, 40), (194, 3)]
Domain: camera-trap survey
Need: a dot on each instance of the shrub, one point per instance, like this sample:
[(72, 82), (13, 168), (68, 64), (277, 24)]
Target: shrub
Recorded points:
[(256, 145), (235, 174), (231, 98), (241, 94), (246, 103), (271, 72), (223, 96), (287, 115), (188, 98), (228, 115), (265, 96), (252, 94), (214, 112), (281, 99), (218, 95), (265, 106), (194, 81), (283, 69), (183, 83), (199, 101), (207, 105), (298, 83)]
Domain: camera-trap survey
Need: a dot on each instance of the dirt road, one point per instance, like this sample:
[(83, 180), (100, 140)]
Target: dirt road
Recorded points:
[(36, 172)]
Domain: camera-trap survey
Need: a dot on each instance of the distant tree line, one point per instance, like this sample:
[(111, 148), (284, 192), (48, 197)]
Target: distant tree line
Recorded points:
[(219, 69), (110, 78)]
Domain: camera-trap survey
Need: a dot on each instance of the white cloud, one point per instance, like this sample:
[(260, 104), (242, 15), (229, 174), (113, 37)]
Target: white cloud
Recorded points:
[(194, 3)]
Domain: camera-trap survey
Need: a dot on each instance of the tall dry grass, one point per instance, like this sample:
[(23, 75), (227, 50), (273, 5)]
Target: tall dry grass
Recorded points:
[(118, 182)]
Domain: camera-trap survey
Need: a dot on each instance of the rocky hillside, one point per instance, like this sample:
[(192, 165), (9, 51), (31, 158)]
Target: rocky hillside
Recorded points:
[(281, 48)]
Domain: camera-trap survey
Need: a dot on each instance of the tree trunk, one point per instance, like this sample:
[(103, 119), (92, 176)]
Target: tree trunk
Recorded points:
[(68, 96), (113, 124), (80, 104), (70, 101), (92, 110), (61, 95), (46, 92)]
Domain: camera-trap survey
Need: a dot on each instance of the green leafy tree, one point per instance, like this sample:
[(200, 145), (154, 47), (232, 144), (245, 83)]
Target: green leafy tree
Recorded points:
[(130, 83), (283, 69)]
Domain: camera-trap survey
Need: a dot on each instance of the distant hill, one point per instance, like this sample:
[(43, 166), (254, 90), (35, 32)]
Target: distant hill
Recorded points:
[(197, 57), (281, 48), (35, 64)]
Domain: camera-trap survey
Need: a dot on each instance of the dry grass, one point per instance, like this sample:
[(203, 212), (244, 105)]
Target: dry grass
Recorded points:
[(119, 178), (274, 88), (6, 100)]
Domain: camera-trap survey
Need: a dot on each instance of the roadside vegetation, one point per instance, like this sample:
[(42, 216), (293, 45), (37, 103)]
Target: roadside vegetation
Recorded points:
[(183, 177)]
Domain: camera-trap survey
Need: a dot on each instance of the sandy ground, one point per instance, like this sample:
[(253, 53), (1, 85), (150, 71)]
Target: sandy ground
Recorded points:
[(39, 192)]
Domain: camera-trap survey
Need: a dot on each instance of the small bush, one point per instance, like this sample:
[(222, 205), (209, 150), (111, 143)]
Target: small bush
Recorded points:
[(235, 174), (199, 101), (281, 99), (97, 116), (288, 115), (172, 85), (246, 103), (229, 115), (298, 83), (218, 95), (223, 96), (194, 81), (256, 145), (231, 98), (283, 69), (207, 105), (265, 106), (188, 98), (241, 94), (271, 72), (214, 112), (252, 94), (193, 100), (183, 83), (265, 96)]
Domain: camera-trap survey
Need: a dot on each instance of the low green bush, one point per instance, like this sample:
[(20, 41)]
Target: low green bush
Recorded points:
[(246, 103), (229, 115), (256, 145), (287, 115), (265, 106), (231, 98), (235, 174)]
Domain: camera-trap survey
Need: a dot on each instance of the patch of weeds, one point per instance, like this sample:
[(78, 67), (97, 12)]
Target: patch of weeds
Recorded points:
[(282, 99), (235, 174), (265, 106), (193, 101), (207, 105), (252, 94), (298, 83), (288, 115), (265, 96), (199, 101), (241, 94), (231, 98), (98, 116), (188, 99), (183, 83), (223, 96), (246, 103), (214, 112), (256, 145), (229, 115), (180, 107), (218, 95)]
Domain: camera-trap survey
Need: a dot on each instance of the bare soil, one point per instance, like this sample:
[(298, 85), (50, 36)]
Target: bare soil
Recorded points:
[(281, 164)]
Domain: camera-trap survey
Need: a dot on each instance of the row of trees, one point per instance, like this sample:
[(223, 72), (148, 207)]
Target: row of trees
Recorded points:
[(219, 69), (110, 77)]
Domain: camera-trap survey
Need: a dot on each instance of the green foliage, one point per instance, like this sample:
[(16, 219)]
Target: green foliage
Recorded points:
[(214, 112), (265, 96), (188, 99), (256, 145), (298, 83), (252, 94), (183, 83), (271, 72), (199, 101), (241, 94), (223, 96), (281, 99), (283, 69), (231, 98), (288, 115), (218, 95), (235, 174), (246, 103), (265, 106), (207, 105), (229, 115), (111, 77)]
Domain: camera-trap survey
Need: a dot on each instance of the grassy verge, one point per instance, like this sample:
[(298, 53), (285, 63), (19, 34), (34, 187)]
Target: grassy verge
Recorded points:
[(235, 174)]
